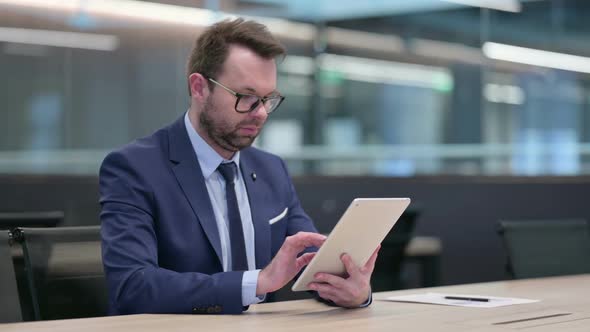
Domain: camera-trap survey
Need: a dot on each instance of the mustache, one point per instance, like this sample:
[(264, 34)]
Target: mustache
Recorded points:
[(256, 123)]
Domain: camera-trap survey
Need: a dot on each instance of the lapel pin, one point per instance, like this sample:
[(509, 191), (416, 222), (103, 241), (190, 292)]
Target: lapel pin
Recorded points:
[(253, 176)]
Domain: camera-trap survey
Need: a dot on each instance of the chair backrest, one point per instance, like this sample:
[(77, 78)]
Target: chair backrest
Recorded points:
[(542, 248), (9, 301), (9, 220), (65, 271), (387, 273)]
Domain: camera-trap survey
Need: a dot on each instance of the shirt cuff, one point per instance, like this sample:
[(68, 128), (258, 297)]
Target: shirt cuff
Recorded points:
[(249, 283), (369, 300)]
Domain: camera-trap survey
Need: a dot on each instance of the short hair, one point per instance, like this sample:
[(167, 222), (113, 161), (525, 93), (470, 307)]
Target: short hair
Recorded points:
[(212, 47)]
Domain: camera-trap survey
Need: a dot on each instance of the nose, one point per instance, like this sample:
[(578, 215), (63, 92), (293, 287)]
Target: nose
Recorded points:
[(260, 112)]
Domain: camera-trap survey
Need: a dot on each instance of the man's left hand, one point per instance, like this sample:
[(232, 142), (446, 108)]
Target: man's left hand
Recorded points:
[(350, 291)]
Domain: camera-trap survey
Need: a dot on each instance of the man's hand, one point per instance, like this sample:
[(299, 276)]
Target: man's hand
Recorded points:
[(351, 291), (285, 265)]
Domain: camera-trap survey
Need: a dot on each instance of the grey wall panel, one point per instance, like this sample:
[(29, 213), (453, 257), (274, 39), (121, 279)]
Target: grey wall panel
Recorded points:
[(461, 211)]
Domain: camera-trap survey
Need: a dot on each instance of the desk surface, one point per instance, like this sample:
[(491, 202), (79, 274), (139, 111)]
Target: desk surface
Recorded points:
[(560, 295)]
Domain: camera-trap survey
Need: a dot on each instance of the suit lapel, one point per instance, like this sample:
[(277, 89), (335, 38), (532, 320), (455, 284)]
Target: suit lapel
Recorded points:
[(188, 173), (255, 188)]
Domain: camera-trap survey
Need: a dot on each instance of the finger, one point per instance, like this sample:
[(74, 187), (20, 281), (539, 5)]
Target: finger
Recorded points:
[(370, 265), (326, 291), (351, 268), (331, 279), (303, 260), (326, 296), (298, 242), (329, 297)]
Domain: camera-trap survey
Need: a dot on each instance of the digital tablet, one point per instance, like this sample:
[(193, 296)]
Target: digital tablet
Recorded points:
[(360, 230)]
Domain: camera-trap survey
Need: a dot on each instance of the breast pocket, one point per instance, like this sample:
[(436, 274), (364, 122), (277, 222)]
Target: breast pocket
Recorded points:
[(278, 230), (279, 217)]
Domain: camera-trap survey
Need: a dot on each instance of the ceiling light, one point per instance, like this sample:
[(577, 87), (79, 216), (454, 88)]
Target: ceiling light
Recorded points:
[(125, 8), (535, 57), (503, 5), (79, 40)]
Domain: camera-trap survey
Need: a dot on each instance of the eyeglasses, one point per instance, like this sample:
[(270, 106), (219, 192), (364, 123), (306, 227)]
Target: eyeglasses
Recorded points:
[(246, 103)]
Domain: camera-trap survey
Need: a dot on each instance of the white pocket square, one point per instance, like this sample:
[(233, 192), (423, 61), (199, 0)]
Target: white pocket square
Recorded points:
[(279, 217)]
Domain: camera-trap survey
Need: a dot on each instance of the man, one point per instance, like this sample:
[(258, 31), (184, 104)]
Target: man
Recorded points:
[(192, 215)]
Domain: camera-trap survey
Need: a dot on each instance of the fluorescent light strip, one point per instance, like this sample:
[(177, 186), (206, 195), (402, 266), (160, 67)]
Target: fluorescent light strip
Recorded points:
[(536, 57), (380, 71), (125, 8), (370, 70), (59, 39), (152, 11), (513, 6), (43, 4)]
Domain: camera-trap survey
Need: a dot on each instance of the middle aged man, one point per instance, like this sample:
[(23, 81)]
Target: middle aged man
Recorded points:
[(192, 215)]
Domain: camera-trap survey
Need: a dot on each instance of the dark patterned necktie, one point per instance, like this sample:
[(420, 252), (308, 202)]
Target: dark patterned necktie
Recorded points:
[(236, 233)]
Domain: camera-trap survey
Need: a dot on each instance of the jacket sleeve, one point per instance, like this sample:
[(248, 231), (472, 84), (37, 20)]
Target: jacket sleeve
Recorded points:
[(130, 253)]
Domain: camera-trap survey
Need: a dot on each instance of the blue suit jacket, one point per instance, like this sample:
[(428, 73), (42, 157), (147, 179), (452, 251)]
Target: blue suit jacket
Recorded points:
[(160, 244)]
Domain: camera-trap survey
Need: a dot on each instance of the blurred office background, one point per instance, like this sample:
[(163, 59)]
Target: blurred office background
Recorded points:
[(394, 88), (478, 110)]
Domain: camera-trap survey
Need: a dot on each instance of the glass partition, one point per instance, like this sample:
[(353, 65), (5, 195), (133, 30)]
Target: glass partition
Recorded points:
[(390, 90)]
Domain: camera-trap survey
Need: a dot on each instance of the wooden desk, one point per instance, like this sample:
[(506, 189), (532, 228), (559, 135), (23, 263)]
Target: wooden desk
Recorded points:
[(558, 295)]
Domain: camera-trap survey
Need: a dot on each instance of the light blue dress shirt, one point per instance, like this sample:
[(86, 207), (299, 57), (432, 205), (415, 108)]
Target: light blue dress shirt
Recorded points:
[(209, 160)]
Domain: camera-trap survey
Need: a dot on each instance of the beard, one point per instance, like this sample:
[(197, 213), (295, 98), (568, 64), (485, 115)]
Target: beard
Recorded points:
[(223, 133)]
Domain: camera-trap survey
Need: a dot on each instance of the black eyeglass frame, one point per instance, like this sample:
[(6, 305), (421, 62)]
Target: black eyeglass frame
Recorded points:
[(254, 106)]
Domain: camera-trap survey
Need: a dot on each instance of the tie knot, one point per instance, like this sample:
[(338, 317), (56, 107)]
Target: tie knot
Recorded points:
[(228, 171)]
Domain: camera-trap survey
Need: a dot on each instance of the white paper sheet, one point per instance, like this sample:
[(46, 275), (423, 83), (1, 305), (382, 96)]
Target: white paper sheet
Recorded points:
[(439, 298)]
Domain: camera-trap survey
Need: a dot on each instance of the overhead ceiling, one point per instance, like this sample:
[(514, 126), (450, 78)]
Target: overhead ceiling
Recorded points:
[(558, 25), (330, 10), (335, 10)]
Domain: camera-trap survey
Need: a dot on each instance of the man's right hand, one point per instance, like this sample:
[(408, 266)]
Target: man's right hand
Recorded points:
[(285, 265)]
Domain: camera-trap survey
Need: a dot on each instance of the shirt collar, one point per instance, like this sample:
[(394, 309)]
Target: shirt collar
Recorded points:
[(208, 158)]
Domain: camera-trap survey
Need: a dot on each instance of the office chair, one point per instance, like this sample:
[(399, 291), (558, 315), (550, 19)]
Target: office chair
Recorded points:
[(9, 301), (388, 267), (387, 273), (10, 220), (64, 271), (542, 248)]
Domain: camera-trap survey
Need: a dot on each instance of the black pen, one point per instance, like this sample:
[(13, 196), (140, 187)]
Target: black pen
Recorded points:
[(478, 299)]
